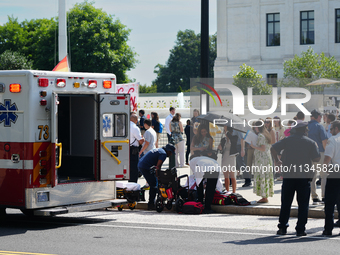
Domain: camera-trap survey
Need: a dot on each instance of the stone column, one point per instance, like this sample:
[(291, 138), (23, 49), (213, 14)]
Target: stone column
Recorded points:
[(222, 27), (255, 39), (322, 24), (287, 26)]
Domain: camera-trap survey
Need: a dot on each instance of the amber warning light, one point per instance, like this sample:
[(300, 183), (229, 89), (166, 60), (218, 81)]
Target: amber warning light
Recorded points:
[(107, 84), (15, 88)]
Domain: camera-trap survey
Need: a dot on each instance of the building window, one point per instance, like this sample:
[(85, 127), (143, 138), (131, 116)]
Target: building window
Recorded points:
[(337, 25), (273, 29), (307, 27), (272, 79)]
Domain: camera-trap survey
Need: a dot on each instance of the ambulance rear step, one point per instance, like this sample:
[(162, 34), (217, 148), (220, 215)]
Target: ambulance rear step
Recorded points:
[(79, 207)]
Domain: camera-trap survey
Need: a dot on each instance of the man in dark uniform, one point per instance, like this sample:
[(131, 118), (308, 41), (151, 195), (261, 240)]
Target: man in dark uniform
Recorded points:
[(299, 152), (332, 192), (155, 157)]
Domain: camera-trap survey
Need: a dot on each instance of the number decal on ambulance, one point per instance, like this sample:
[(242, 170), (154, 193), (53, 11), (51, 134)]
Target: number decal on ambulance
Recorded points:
[(45, 130)]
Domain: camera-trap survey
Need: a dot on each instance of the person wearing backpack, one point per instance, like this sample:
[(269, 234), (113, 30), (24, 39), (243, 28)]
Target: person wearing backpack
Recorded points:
[(157, 126)]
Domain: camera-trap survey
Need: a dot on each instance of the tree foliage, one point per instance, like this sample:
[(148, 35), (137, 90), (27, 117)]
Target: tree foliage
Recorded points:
[(183, 62), (97, 42), (148, 89), (248, 77), (309, 66), (14, 61)]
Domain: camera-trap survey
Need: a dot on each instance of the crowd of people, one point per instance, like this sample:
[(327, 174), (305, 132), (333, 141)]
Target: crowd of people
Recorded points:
[(305, 146)]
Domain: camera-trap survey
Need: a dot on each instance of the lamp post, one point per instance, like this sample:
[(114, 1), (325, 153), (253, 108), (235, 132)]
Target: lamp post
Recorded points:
[(204, 100)]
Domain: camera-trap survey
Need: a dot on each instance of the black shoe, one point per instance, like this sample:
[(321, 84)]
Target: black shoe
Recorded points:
[(281, 231), (246, 185), (337, 224), (301, 233), (327, 233), (208, 211), (316, 201)]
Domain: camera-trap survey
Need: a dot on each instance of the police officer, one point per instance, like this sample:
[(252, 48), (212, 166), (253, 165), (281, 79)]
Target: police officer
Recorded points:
[(299, 152), (332, 193), (155, 157)]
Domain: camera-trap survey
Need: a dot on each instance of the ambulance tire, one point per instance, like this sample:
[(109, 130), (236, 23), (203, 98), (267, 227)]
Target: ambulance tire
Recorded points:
[(28, 212), (120, 208), (2, 213)]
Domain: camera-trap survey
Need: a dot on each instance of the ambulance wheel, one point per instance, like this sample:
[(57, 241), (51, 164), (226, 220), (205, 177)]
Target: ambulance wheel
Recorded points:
[(120, 208), (159, 205), (27, 212), (132, 205), (168, 204), (179, 205), (2, 213)]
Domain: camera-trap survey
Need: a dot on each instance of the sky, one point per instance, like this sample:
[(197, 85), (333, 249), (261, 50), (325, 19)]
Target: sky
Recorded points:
[(154, 24)]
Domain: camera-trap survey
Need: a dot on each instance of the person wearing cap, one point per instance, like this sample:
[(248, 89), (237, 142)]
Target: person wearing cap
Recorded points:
[(155, 157), (318, 134), (332, 192), (298, 153)]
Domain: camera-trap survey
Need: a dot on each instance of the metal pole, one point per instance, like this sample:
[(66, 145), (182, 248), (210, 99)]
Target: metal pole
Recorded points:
[(62, 30), (204, 99)]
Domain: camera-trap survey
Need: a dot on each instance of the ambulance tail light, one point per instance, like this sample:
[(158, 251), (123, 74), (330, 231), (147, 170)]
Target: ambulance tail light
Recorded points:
[(43, 82), (107, 84), (15, 88), (43, 102), (76, 84), (92, 84), (61, 83)]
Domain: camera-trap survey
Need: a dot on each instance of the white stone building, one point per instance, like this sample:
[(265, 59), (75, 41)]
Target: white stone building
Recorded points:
[(265, 33)]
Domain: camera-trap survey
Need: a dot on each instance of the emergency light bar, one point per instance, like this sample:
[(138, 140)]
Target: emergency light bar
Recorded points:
[(15, 88)]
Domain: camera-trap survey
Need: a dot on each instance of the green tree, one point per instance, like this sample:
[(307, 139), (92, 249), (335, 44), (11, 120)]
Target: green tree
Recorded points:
[(148, 89), (248, 77), (309, 66), (98, 43), (14, 61), (183, 62)]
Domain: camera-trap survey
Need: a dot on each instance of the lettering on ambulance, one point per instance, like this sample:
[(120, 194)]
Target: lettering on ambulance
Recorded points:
[(41, 164)]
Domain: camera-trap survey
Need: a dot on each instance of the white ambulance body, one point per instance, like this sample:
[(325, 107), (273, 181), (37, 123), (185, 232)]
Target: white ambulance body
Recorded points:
[(64, 140)]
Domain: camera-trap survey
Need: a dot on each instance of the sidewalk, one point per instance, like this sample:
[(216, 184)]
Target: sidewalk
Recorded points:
[(272, 208)]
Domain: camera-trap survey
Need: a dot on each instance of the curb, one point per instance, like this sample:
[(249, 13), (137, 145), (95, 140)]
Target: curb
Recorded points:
[(269, 210)]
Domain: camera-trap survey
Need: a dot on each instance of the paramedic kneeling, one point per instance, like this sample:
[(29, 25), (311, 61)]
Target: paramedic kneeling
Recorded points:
[(155, 157), (205, 167)]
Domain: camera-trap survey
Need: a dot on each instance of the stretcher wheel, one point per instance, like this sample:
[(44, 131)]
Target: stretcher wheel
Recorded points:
[(179, 205), (168, 204), (132, 205), (120, 208), (159, 205)]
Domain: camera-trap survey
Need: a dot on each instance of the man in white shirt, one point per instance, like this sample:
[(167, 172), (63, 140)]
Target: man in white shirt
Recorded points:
[(150, 137), (332, 162), (168, 120), (136, 139)]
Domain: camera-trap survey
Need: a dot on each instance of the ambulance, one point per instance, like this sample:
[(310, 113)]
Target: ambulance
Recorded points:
[(64, 141)]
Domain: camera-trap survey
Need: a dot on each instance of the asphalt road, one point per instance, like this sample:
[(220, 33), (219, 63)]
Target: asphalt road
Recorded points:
[(146, 232)]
